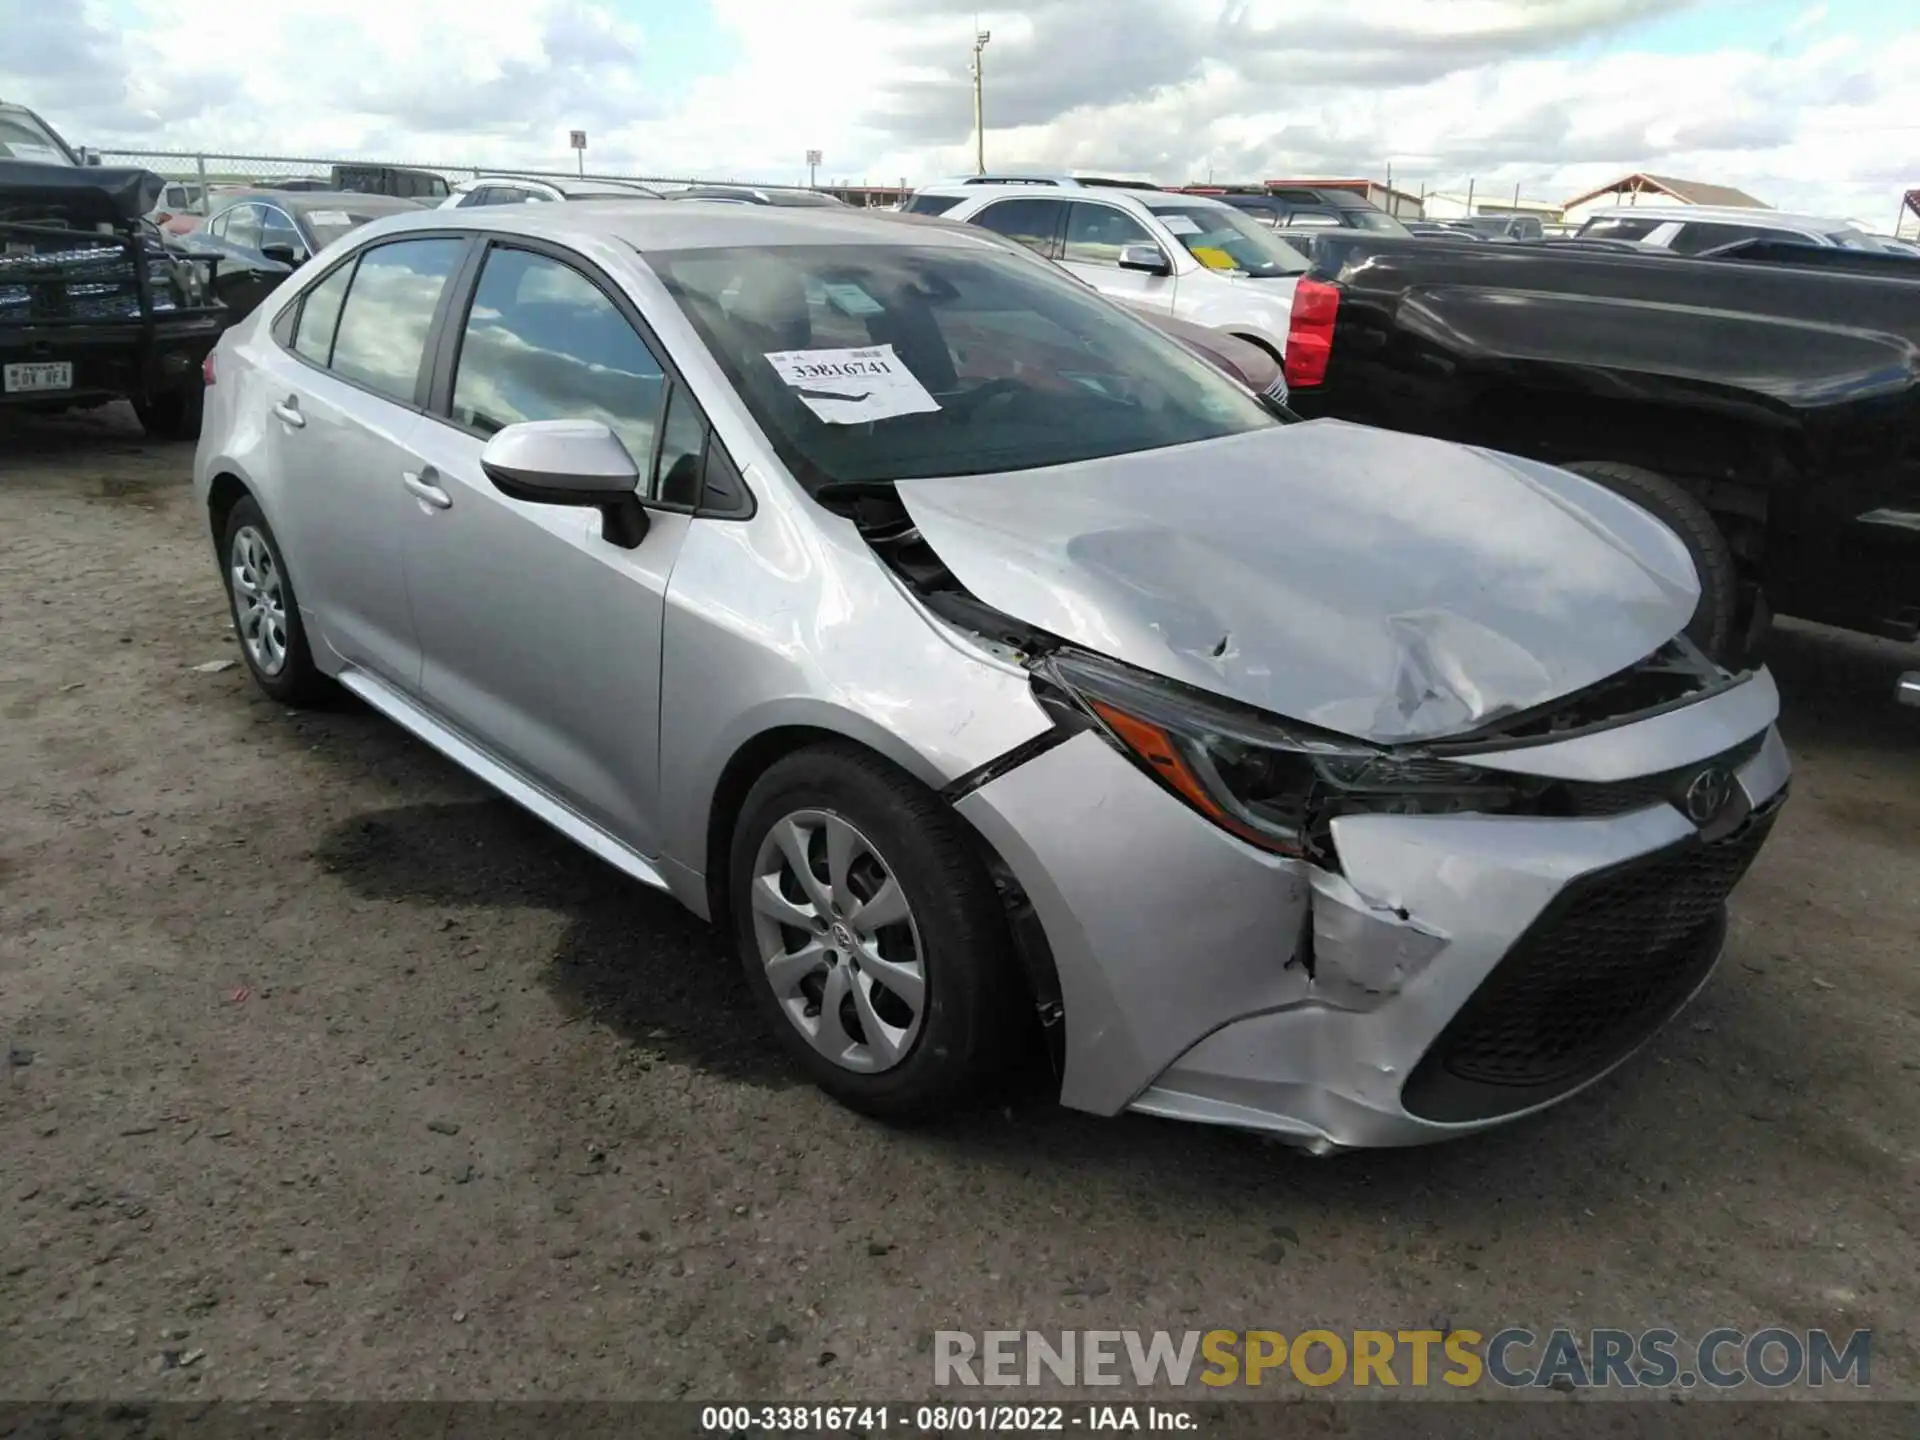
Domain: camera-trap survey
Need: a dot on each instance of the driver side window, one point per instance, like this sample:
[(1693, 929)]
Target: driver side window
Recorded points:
[(543, 342), (243, 226), (1096, 234), (277, 228)]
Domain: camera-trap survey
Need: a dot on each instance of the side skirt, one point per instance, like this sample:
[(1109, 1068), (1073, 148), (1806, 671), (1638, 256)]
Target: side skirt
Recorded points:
[(407, 714)]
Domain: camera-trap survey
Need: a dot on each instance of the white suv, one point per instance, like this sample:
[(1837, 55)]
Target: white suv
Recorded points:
[(1696, 229), (1190, 257)]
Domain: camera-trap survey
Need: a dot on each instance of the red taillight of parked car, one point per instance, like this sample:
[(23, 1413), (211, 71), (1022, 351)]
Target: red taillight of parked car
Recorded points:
[(206, 368), (1316, 304)]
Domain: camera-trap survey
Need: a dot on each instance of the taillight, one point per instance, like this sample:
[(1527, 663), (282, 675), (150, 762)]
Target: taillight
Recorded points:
[(1316, 304), (206, 369)]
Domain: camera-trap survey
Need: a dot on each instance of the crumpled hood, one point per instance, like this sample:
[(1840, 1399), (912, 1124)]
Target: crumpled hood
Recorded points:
[(1386, 586)]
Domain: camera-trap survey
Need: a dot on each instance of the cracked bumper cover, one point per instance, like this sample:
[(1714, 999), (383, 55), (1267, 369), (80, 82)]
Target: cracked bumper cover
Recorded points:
[(1206, 980)]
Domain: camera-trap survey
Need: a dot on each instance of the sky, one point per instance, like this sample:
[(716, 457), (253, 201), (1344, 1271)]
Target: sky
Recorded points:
[(1812, 107)]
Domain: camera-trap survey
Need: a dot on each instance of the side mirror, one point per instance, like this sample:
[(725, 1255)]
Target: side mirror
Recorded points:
[(89, 155), (288, 255), (1146, 258), (570, 462)]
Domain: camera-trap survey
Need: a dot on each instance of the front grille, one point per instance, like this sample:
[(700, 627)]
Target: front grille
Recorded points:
[(1618, 797), (1597, 973), (58, 280)]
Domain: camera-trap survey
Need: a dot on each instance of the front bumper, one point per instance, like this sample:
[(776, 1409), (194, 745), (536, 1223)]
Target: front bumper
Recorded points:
[(112, 360), (1457, 972)]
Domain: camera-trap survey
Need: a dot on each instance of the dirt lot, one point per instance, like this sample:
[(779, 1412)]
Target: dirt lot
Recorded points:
[(323, 1073)]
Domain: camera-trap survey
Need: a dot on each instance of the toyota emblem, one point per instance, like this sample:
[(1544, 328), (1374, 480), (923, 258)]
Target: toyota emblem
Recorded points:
[(1709, 794)]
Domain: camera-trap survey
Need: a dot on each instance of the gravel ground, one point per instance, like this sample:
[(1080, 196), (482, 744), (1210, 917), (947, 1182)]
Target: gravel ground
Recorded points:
[(329, 1075)]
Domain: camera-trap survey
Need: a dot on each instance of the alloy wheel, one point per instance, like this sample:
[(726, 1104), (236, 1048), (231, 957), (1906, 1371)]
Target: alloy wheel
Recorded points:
[(838, 941), (259, 600)]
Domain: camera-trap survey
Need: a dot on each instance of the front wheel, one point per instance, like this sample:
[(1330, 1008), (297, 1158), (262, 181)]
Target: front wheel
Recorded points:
[(870, 933)]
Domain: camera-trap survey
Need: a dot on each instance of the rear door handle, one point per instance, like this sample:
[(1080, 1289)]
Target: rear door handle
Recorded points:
[(420, 485), (288, 411)]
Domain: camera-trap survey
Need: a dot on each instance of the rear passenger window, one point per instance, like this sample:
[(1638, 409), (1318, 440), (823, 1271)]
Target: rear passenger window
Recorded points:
[(1695, 236), (1613, 229), (543, 342), (383, 328), (1031, 222), (320, 314)]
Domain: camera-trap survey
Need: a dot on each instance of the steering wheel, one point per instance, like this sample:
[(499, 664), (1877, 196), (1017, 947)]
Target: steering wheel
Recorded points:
[(964, 406)]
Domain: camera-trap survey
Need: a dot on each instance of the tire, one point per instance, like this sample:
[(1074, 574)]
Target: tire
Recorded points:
[(928, 1061), (1713, 627), (174, 414), (285, 671)]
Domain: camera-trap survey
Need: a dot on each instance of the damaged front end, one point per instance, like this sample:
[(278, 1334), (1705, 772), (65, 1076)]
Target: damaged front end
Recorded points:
[(1345, 942), (94, 303)]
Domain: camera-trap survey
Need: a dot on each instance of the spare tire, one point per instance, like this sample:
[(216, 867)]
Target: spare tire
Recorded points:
[(1714, 618)]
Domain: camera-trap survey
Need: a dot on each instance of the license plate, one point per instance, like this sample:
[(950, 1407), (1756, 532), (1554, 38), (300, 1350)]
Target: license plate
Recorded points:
[(39, 375)]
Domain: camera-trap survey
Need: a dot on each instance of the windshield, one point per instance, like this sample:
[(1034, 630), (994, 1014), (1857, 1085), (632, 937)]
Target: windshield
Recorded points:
[(1376, 220), (24, 138), (1851, 239), (866, 363), (1229, 240)]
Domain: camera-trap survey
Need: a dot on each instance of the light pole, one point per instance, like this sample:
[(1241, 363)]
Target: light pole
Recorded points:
[(980, 39)]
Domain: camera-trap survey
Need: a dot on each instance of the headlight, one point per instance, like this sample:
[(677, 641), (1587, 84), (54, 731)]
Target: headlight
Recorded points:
[(1273, 783)]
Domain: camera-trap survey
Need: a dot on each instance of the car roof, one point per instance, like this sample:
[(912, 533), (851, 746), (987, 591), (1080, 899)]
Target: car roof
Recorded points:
[(792, 195), (1146, 199), (691, 225), (301, 201), (1081, 180), (565, 184), (1735, 214)]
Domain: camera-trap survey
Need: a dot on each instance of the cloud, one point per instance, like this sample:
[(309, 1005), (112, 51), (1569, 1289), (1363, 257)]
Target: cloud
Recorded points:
[(1553, 95)]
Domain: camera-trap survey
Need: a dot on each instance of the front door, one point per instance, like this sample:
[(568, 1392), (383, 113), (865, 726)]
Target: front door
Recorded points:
[(1096, 234), (539, 638)]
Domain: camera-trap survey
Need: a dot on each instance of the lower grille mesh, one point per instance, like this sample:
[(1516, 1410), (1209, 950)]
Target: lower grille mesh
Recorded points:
[(1593, 977)]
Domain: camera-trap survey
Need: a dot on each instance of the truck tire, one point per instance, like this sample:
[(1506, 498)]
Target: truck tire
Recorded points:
[(1713, 625), (173, 414)]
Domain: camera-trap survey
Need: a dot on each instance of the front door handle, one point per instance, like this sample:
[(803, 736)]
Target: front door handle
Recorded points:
[(288, 411), (420, 485)]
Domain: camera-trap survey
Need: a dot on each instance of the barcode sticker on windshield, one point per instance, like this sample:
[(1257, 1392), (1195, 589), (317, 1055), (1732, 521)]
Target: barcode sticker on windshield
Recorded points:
[(329, 217), (1181, 224), (851, 387)]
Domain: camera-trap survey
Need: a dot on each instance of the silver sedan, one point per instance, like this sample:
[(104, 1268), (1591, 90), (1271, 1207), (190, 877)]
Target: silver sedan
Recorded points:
[(995, 671)]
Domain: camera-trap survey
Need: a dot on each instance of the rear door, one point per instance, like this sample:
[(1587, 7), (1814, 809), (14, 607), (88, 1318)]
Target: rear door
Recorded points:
[(344, 400), (1096, 234), (541, 639)]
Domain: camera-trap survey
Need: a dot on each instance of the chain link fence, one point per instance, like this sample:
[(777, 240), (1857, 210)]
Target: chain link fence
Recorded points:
[(205, 173)]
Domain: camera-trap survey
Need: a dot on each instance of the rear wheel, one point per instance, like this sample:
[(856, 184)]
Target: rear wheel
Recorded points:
[(266, 615), (870, 933), (1713, 627)]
